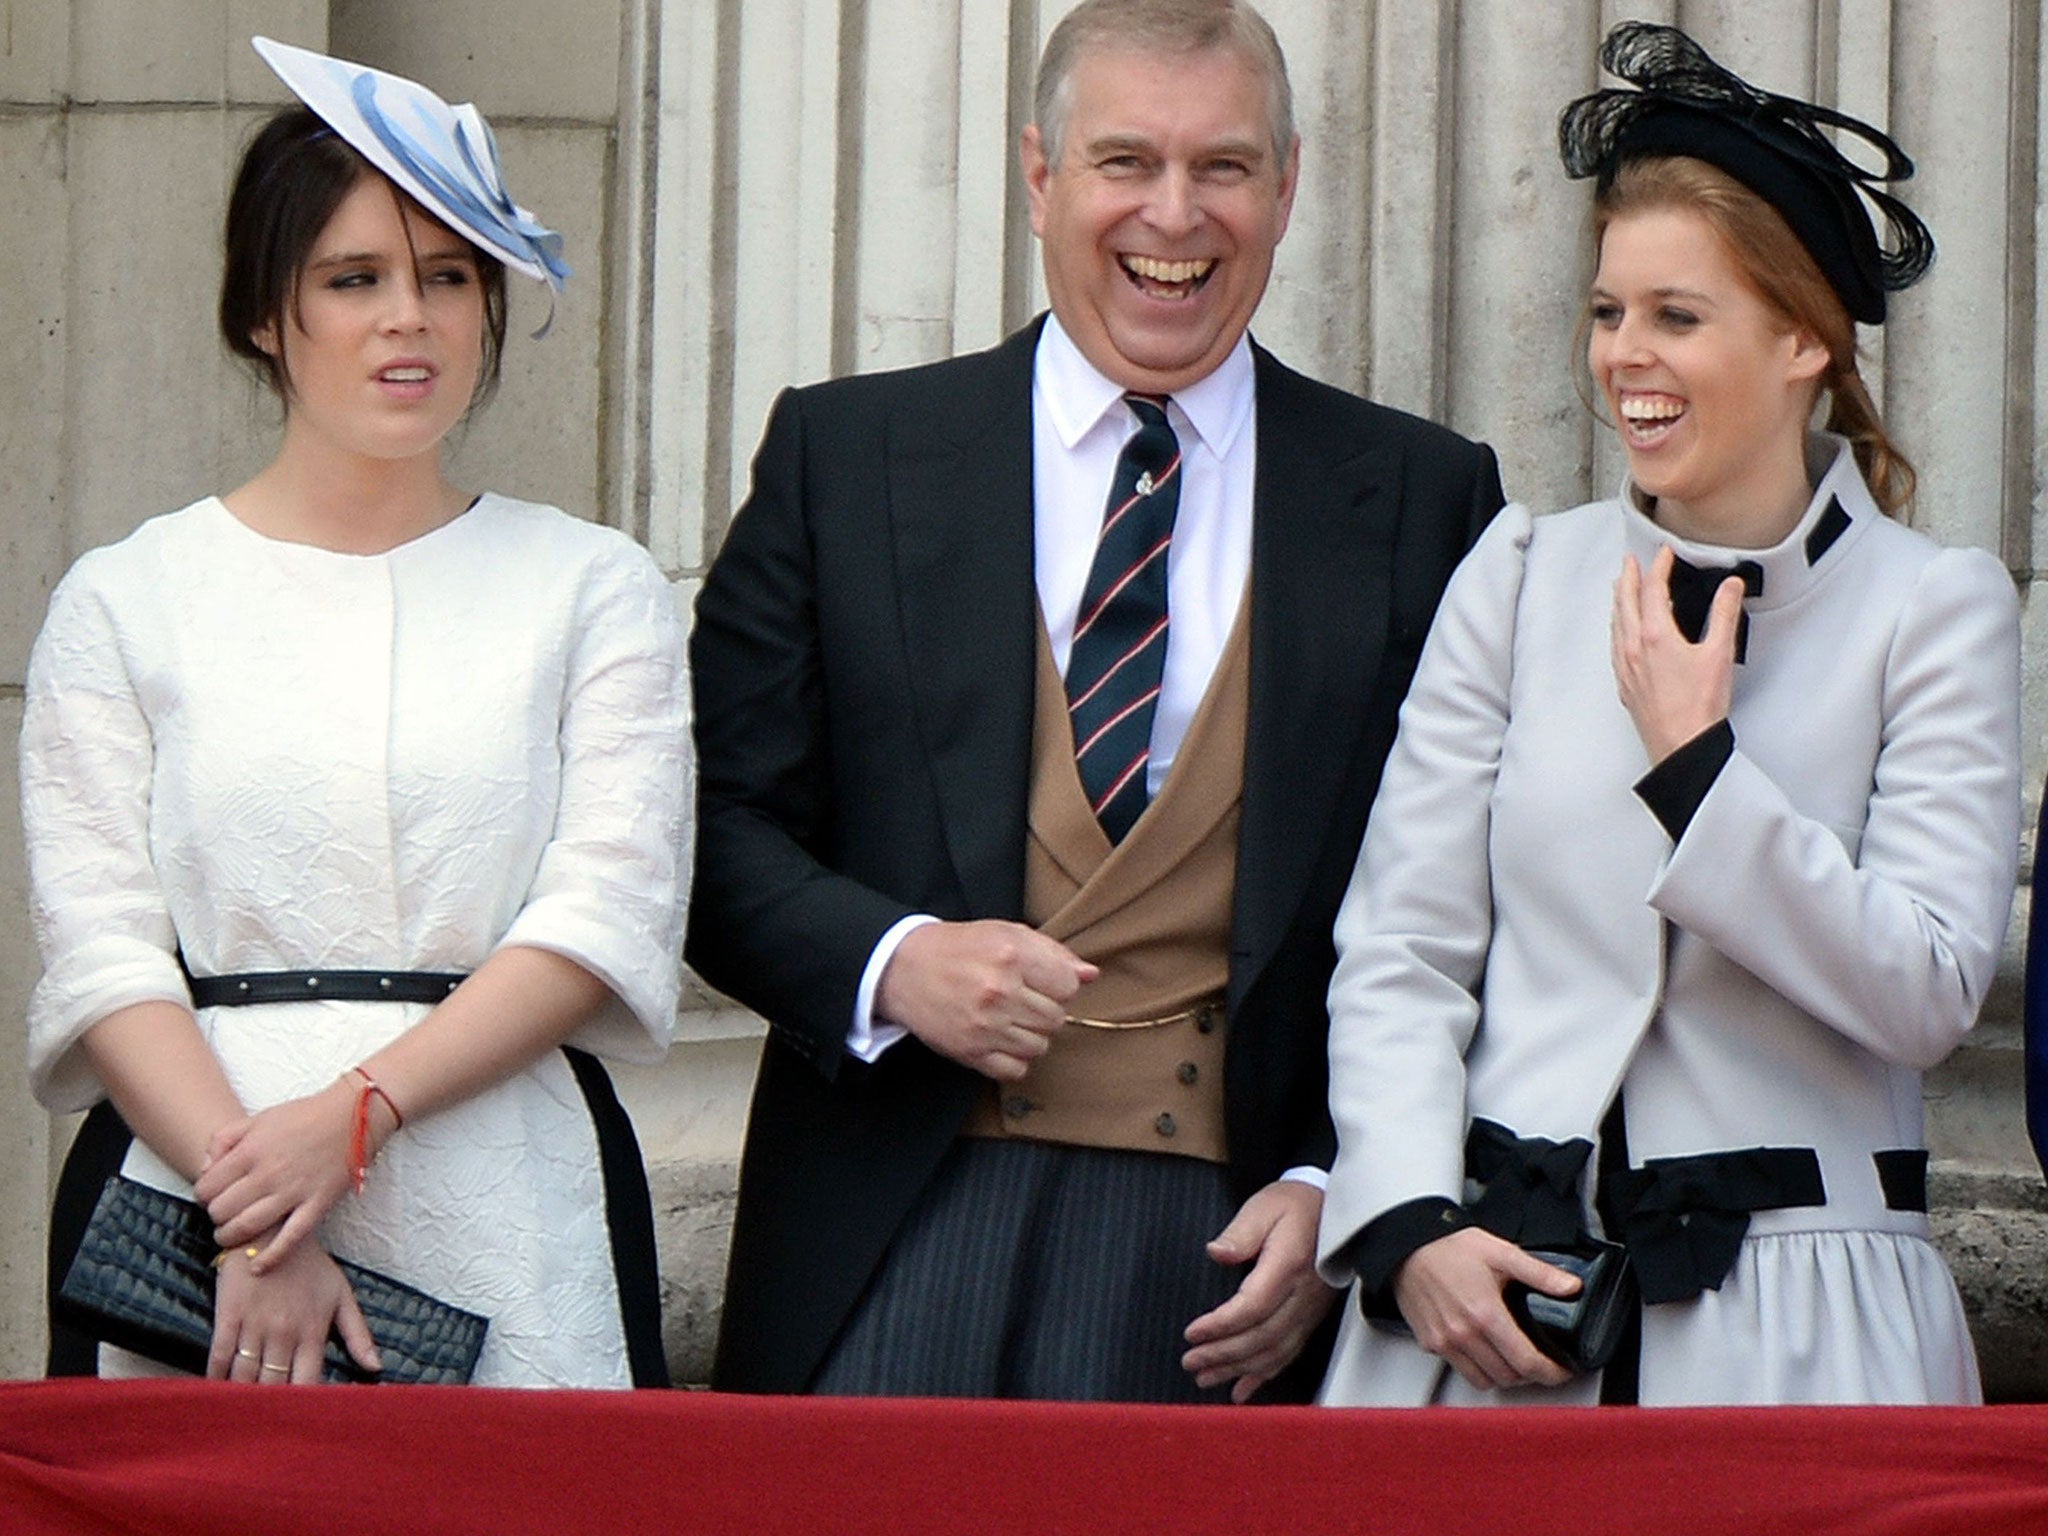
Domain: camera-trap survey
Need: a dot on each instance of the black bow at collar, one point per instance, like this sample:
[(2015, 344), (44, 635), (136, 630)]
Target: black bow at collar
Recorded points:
[(1692, 596)]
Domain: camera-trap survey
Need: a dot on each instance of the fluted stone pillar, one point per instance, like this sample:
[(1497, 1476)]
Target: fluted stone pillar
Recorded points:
[(863, 212), (765, 192), (115, 403)]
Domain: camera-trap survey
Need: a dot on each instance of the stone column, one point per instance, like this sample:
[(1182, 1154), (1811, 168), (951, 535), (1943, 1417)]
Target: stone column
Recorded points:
[(116, 402), (838, 192), (764, 192)]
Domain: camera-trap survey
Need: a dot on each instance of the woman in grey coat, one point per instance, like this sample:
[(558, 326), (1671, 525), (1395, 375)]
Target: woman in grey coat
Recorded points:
[(1698, 843)]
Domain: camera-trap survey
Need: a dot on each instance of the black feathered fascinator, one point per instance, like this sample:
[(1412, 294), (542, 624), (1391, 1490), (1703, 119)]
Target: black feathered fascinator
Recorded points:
[(1686, 104)]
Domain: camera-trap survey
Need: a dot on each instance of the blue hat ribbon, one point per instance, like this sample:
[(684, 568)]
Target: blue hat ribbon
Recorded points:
[(478, 198)]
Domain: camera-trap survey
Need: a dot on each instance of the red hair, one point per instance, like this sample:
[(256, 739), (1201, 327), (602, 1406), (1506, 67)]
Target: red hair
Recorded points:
[(1785, 276)]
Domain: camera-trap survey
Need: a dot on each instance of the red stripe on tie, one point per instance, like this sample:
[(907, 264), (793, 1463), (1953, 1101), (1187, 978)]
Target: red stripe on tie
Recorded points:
[(1121, 582), (1118, 665), (1115, 720), (1121, 780), (1116, 516)]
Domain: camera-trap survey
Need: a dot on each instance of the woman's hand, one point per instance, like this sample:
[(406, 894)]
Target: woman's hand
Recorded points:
[(1672, 688), (284, 1168), (272, 1328), (1450, 1293)]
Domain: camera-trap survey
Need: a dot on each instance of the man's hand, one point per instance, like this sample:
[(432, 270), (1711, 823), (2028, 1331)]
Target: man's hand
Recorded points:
[(989, 995), (1252, 1337), (1450, 1293)]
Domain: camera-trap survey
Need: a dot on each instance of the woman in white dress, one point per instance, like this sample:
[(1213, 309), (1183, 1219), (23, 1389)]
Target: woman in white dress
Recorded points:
[(1697, 846), (352, 796)]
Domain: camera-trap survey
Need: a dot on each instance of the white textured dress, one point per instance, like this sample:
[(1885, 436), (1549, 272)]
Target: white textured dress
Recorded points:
[(1522, 937), (283, 758)]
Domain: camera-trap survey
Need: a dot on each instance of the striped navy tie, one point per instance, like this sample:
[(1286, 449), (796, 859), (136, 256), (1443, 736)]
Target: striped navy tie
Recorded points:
[(1119, 648)]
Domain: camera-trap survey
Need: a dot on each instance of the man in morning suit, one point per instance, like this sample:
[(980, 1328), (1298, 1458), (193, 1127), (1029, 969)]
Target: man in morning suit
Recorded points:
[(1041, 697)]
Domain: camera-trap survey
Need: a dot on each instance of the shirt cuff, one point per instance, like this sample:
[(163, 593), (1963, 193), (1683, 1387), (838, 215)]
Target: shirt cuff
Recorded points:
[(1309, 1174), (867, 1036), (1675, 788)]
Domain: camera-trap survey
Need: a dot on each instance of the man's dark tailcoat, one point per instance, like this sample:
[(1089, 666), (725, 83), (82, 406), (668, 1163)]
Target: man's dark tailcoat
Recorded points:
[(863, 663)]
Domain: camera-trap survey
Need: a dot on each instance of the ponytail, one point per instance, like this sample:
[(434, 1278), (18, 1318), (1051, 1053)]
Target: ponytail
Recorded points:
[(1853, 414)]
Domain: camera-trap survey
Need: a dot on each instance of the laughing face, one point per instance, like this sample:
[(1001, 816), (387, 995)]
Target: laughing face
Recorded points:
[(1160, 217), (1710, 388), (383, 352)]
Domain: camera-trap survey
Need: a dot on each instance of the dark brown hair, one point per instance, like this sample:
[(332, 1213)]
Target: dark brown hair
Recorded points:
[(1785, 275), (294, 174)]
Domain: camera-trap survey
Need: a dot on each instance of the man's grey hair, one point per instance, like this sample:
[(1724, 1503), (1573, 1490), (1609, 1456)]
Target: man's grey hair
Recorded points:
[(1159, 26)]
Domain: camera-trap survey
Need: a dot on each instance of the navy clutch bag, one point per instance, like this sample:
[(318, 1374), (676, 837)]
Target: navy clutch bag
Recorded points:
[(143, 1279), (1580, 1332)]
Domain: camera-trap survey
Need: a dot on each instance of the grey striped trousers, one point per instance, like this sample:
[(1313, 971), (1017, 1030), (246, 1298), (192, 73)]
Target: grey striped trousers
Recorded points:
[(1034, 1270)]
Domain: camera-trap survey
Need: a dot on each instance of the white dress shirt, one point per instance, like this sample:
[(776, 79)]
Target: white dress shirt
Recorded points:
[(1079, 424)]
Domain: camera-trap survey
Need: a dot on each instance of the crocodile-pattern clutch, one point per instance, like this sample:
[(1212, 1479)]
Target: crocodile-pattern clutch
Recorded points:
[(143, 1279)]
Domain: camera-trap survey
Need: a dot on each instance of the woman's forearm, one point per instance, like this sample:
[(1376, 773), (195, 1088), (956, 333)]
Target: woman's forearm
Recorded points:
[(164, 1079), (520, 1004), (285, 1168)]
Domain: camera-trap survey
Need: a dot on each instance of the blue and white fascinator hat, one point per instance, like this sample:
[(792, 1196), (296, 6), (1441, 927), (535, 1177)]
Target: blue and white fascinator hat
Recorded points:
[(442, 157)]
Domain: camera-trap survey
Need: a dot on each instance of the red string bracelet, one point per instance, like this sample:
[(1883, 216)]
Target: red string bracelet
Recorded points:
[(359, 1126)]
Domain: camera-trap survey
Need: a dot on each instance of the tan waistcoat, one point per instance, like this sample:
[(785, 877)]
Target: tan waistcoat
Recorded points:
[(1154, 913)]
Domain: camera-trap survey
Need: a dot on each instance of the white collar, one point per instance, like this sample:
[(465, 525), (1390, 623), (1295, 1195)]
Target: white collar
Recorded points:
[(1798, 560), (1077, 395)]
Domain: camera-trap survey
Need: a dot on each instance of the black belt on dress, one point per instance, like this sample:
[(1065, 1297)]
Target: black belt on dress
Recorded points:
[(1684, 1218), (246, 987), (1902, 1174)]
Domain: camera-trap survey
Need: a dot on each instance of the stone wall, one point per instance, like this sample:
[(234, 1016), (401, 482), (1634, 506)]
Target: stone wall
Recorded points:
[(761, 192)]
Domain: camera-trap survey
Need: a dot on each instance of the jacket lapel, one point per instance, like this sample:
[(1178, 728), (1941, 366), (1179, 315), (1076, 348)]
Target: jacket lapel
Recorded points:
[(1324, 519), (959, 477)]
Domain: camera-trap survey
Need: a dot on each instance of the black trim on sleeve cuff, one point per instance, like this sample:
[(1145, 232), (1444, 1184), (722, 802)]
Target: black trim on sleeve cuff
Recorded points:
[(1675, 788), (1387, 1241)]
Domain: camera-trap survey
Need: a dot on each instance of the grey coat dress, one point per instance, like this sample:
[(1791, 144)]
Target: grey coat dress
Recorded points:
[(1522, 936)]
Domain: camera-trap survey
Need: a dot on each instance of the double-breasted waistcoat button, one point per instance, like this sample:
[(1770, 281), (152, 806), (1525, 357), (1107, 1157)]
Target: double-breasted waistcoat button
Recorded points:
[(1164, 1125), (1016, 1106), (1188, 1072)]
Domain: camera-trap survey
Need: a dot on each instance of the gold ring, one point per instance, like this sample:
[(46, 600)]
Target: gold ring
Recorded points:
[(282, 1370), (247, 1354)]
